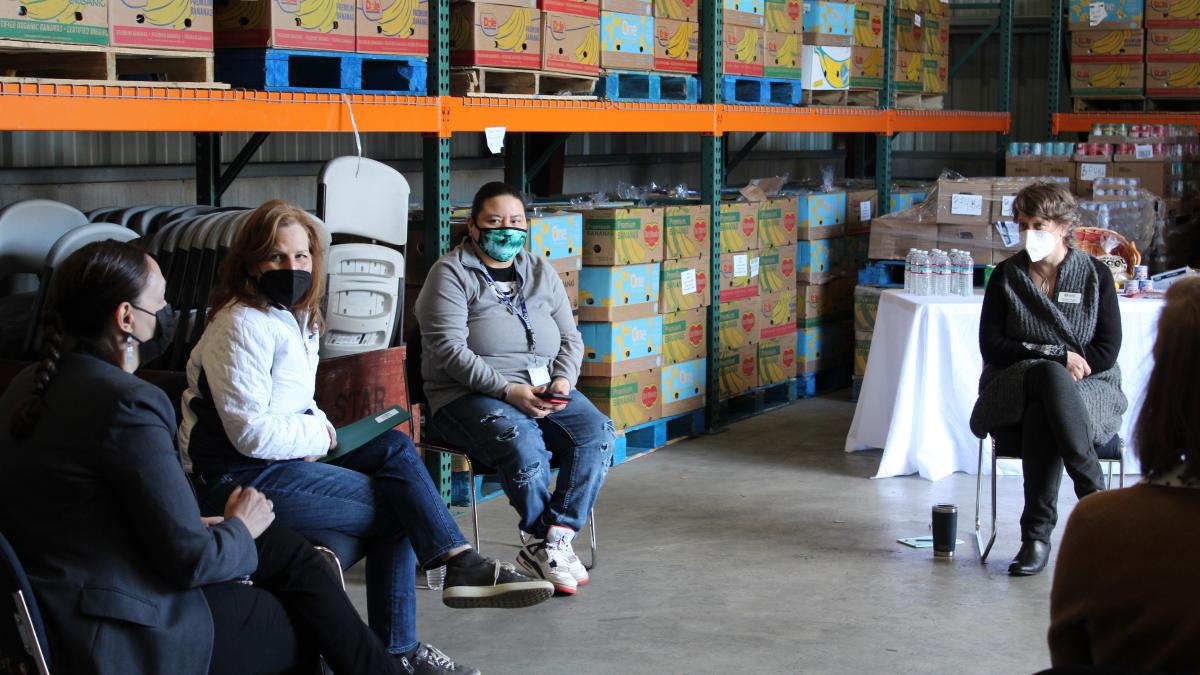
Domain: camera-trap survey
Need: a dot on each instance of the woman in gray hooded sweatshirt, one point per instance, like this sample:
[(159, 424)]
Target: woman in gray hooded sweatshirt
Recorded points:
[(501, 354)]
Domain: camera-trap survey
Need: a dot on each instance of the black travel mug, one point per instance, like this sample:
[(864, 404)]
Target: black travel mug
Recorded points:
[(945, 529)]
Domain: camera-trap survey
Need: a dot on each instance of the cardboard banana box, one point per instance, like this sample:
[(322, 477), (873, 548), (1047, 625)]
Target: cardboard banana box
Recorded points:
[(495, 35), (676, 46), (570, 44), (178, 24), (393, 27), (65, 21), (326, 25)]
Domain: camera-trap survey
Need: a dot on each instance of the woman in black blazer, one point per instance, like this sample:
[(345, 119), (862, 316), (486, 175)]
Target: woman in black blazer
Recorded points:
[(129, 577)]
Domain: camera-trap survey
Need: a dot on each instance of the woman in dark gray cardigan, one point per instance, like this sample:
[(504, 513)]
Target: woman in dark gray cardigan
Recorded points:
[(1050, 331)]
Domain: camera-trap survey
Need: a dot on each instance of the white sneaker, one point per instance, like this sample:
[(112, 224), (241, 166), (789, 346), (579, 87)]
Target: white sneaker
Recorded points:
[(574, 566), (547, 559)]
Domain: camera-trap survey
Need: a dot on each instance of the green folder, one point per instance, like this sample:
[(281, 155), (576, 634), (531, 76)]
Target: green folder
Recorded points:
[(357, 434)]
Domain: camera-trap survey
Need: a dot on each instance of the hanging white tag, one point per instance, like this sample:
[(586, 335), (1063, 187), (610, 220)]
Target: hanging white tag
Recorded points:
[(688, 281), (1141, 151), (864, 211), (1092, 171), (1097, 12), (1010, 233), (539, 376), (1069, 298), (495, 139), (966, 205), (741, 265), (754, 266), (917, 20), (1006, 203)]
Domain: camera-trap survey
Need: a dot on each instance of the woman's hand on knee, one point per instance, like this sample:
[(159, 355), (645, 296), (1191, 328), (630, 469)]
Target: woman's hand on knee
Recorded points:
[(524, 398), (1078, 366), (251, 507)]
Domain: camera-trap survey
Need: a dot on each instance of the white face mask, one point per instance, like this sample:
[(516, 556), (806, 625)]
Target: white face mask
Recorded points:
[(1039, 243)]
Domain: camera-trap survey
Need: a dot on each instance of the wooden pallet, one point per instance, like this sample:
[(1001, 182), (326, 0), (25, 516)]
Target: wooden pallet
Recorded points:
[(295, 70), (916, 101), (758, 400), (47, 63), (501, 83), (837, 98), (628, 85), (1085, 104), (863, 98)]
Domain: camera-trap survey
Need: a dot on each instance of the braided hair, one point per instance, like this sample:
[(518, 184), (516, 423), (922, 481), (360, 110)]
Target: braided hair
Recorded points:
[(89, 285)]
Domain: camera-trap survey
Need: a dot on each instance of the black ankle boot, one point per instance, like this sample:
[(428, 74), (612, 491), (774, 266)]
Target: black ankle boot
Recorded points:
[(1031, 559)]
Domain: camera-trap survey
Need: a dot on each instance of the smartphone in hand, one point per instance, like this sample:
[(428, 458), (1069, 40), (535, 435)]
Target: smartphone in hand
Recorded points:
[(554, 397)]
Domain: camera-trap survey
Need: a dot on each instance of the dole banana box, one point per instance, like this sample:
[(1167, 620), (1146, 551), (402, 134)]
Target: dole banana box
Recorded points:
[(1174, 78), (777, 219), (676, 46), (626, 41), (739, 275), (687, 231), (784, 16), (295, 24), (743, 50), (783, 53), (908, 73), (748, 13), (828, 24), (737, 371), (84, 23), (910, 27), (1171, 44), (1108, 79), (621, 347), (635, 7), (678, 10), (685, 284), (822, 347), (683, 387), (902, 200), (862, 352), (495, 35), (628, 400), (1172, 13), (392, 27), (555, 235), (935, 70), (685, 335), (618, 293), (777, 269), (179, 24), (570, 44), (866, 307), (1107, 46), (1100, 14), (777, 314), (622, 236), (866, 68), (588, 8), (826, 68), (776, 359), (861, 207), (822, 215), (935, 7), (738, 226), (814, 262), (823, 303), (868, 25), (737, 324)]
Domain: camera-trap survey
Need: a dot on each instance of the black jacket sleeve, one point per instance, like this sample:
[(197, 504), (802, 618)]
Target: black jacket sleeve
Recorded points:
[(1101, 352), (997, 348)]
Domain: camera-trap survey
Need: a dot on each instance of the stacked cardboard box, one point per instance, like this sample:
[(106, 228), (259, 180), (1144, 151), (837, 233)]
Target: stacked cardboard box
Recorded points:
[(685, 294), (1173, 49), (739, 326), (274, 23), (85, 24), (777, 230), (619, 302), (866, 306), (866, 56), (828, 38), (398, 27), (677, 36), (823, 338), (744, 46), (571, 37), (627, 35), (497, 34), (1108, 48), (920, 65), (783, 49), (558, 237)]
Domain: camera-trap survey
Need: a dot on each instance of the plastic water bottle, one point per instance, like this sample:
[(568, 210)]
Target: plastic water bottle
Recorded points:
[(908, 270), (967, 280), (921, 273), (941, 272)]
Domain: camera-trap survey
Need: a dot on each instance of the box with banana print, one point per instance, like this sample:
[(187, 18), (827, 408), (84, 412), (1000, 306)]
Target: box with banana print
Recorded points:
[(828, 24), (814, 261), (777, 313), (588, 8), (685, 335), (826, 68), (777, 269), (570, 44), (687, 231), (1100, 14), (678, 10), (738, 323), (626, 41), (910, 28), (777, 359), (622, 236), (685, 284), (935, 71), (738, 226), (866, 68), (392, 27), (621, 347), (683, 387), (743, 50), (782, 52), (618, 293), (555, 235), (178, 24), (784, 16), (822, 215), (62, 21), (498, 35), (1107, 79), (777, 219), (1172, 13), (628, 400), (1173, 44), (935, 34), (327, 25), (1173, 59), (737, 371), (1107, 46), (748, 13), (1173, 78), (676, 46), (825, 346), (908, 74), (739, 275), (823, 303), (868, 25)]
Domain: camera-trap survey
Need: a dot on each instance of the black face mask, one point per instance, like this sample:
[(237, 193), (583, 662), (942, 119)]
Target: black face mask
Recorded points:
[(285, 288), (164, 332)]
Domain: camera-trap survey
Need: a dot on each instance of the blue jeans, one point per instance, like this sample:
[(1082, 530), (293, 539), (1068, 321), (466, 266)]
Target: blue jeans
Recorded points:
[(579, 438), (381, 493)]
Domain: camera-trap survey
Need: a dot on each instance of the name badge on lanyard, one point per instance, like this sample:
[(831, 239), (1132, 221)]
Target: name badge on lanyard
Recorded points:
[(539, 376), (1069, 298)]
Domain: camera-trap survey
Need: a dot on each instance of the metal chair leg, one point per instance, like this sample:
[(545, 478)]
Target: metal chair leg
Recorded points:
[(992, 539), (474, 502), (592, 538), (978, 490), (331, 558), (1121, 465), (29, 637)]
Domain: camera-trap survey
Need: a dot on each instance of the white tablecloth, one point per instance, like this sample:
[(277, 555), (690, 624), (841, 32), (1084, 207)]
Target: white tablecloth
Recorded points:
[(923, 376)]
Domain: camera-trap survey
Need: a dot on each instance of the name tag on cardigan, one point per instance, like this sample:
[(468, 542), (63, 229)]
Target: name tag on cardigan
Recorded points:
[(1070, 298)]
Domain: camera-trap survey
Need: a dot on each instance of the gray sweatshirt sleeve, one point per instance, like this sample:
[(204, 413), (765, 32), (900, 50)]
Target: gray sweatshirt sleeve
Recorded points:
[(570, 351), (442, 314)]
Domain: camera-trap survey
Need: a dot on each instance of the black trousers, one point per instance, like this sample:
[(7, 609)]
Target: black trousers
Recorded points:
[(295, 610), (1054, 434)]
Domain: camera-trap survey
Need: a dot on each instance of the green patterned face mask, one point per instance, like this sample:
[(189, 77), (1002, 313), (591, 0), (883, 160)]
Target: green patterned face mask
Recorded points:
[(502, 243)]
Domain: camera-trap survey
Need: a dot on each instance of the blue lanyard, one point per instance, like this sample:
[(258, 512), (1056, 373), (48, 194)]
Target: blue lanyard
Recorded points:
[(520, 310)]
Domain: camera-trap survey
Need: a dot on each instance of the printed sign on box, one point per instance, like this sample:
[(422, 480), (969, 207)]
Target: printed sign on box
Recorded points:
[(621, 347), (622, 236), (685, 335), (676, 46), (861, 207), (685, 284), (777, 269), (683, 387), (738, 227), (910, 32), (628, 400), (570, 43), (618, 293), (43, 21), (626, 41), (736, 280), (495, 35), (392, 27), (687, 231), (1096, 14), (180, 24), (965, 202), (826, 68), (284, 23)]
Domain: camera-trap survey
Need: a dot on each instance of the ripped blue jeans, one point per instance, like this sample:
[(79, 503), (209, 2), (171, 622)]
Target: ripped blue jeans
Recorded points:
[(579, 438)]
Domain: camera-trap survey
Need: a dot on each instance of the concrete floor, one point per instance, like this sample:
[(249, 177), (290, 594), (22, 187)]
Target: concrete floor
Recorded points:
[(765, 549)]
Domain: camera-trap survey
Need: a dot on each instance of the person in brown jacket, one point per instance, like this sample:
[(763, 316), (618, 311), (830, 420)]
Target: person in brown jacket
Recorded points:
[(1126, 584)]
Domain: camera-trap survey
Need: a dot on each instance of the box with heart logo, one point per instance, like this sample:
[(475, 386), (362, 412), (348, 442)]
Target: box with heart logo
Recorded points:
[(687, 231), (738, 226), (739, 275), (495, 35), (392, 27), (555, 235), (685, 284), (868, 25), (777, 313), (936, 34), (678, 10), (777, 220), (777, 269), (908, 72), (785, 16), (622, 236), (935, 69), (683, 387), (628, 400), (777, 359), (737, 371), (621, 347), (570, 44), (619, 293), (738, 323), (822, 347), (685, 335), (676, 46), (814, 261), (626, 41), (817, 304)]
